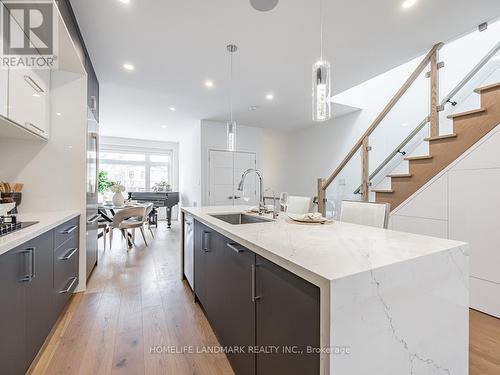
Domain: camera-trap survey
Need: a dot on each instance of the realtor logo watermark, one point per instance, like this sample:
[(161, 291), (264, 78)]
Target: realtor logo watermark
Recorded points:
[(29, 34)]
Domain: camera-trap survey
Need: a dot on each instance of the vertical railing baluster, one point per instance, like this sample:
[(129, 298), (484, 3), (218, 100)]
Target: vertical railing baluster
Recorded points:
[(365, 174), (434, 95), (321, 196)]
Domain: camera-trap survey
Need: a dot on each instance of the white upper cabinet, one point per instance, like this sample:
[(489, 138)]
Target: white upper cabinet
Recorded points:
[(4, 91), (29, 99), (25, 95)]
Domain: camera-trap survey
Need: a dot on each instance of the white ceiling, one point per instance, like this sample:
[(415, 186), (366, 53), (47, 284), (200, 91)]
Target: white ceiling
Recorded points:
[(176, 45)]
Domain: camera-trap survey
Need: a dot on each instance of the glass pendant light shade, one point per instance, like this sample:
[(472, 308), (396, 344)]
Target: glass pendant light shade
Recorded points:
[(231, 135), (321, 104), (231, 125)]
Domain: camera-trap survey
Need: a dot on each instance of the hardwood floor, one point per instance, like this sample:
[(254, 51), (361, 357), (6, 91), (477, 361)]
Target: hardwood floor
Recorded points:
[(484, 344), (136, 303), (134, 308)]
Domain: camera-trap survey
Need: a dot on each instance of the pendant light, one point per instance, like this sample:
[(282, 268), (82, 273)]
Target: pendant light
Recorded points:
[(321, 77), (231, 125), (264, 5)]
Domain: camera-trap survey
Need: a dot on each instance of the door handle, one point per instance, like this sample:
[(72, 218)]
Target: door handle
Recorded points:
[(69, 254), (255, 298), (69, 230), (233, 197), (206, 241), (233, 246)]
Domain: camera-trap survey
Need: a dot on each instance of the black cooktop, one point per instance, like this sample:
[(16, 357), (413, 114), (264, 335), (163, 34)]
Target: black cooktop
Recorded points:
[(7, 228)]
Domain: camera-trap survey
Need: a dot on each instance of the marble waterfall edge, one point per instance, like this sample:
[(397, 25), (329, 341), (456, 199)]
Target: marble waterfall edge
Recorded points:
[(410, 318)]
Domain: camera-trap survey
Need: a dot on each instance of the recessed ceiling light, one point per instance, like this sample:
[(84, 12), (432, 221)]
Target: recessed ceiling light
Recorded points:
[(128, 67), (209, 83), (125, 1), (269, 96), (164, 126), (172, 109), (408, 3), (58, 113)]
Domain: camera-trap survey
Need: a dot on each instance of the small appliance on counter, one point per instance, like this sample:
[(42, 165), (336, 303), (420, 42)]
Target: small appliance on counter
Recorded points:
[(9, 224)]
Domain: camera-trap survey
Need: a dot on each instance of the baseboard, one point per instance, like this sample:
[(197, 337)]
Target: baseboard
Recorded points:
[(484, 296)]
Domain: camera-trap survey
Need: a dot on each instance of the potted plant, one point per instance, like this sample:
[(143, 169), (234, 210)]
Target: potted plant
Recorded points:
[(162, 186), (117, 188), (103, 185)]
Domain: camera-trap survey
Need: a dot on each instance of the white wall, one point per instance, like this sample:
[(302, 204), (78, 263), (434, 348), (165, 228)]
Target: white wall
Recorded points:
[(190, 166), (275, 160), (461, 204)]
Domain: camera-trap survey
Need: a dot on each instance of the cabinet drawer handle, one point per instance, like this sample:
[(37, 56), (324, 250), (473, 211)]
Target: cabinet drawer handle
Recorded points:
[(254, 297), (69, 230), (30, 275), (35, 86), (73, 281), (206, 241), (94, 219), (69, 254), (233, 247), (37, 129)]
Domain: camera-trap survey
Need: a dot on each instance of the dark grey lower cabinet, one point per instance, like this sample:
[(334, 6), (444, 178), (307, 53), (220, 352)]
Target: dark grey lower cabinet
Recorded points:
[(13, 270), (254, 304), (40, 313), (28, 306), (287, 317), (239, 308)]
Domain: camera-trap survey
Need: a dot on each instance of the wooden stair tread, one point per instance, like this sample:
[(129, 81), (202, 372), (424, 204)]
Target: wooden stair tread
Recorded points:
[(488, 87), (439, 137), (399, 175), (466, 113), (383, 191), (422, 157)]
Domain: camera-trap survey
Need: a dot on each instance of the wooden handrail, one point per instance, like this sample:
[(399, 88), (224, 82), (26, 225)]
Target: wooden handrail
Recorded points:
[(420, 68)]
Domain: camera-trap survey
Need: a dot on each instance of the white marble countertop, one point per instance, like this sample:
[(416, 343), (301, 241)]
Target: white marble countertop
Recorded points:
[(46, 222), (328, 252)]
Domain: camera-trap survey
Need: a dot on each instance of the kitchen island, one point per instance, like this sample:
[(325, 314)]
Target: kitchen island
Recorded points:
[(388, 302)]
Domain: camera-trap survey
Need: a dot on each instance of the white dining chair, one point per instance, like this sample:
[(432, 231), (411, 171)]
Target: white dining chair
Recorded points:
[(129, 218), (145, 219), (298, 205), (365, 213)]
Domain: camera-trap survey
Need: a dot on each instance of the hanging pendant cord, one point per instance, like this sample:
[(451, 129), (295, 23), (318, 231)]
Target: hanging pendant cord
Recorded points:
[(231, 86), (321, 26)]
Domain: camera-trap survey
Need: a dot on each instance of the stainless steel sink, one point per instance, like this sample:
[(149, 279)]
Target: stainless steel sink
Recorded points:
[(238, 219)]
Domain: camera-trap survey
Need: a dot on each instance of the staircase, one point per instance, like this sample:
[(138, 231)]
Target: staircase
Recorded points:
[(468, 128)]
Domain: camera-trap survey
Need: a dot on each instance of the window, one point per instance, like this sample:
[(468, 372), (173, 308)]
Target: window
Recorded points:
[(136, 170)]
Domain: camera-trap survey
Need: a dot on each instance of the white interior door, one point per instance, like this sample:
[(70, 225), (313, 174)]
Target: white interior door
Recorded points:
[(225, 170)]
